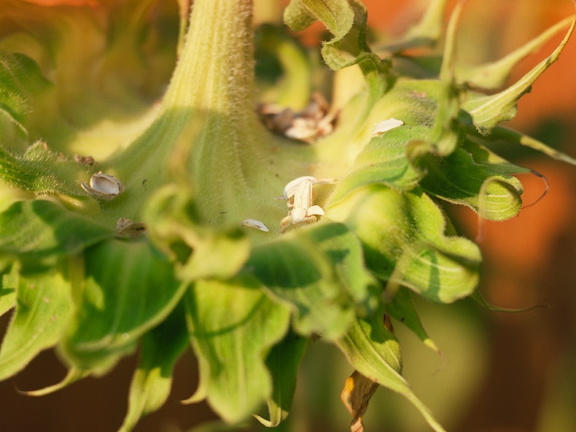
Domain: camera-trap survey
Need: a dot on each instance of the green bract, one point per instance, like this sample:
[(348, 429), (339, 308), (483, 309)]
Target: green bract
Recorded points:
[(133, 215)]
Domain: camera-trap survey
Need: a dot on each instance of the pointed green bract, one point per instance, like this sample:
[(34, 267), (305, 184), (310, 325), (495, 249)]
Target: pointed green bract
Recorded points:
[(384, 161), (43, 309), (401, 308), (233, 325), (494, 75), (71, 377), (152, 381), (44, 172), (427, 31), (445, 132), (488, 111), (346, 20)]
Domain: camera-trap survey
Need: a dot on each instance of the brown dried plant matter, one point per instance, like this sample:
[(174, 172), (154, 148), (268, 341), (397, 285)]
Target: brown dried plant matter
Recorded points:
[(358, 390)]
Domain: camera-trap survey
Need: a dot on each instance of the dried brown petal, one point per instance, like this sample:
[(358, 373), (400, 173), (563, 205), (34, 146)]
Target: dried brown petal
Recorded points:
[(355, 396)]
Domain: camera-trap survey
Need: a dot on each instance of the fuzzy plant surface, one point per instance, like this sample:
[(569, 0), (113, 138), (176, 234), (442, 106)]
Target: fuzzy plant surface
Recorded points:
[(222, 205)]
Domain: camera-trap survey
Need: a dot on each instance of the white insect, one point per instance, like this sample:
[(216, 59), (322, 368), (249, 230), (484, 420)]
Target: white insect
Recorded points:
[(103, 186), (255, 223), (299, 196), (386, 125)]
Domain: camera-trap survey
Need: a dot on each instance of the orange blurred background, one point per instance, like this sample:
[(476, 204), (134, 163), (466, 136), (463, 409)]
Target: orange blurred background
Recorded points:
[(500, 372)]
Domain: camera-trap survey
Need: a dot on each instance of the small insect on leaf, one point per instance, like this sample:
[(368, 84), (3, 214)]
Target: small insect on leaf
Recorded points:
[(254, 223), (384, 126)]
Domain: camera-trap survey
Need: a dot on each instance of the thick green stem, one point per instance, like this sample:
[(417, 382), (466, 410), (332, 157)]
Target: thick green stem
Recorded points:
[(215, 71), (215, 78), (208, 136)]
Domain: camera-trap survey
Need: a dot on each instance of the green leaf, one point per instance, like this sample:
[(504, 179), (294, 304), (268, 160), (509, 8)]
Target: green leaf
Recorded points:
[(233, 325), (319, 272), (126, 289), (489, 111), (152, 381), (43, 309), (36, 232), (282, 362), (20, 81), (404, 241), (375, 353)]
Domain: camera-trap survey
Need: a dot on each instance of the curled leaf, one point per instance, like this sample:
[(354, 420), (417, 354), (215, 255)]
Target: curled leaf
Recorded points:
[(336, 15), (485, 187), (346, 20)]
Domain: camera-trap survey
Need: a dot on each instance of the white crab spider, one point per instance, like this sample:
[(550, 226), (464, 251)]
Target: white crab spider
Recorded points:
[(299, 196)]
